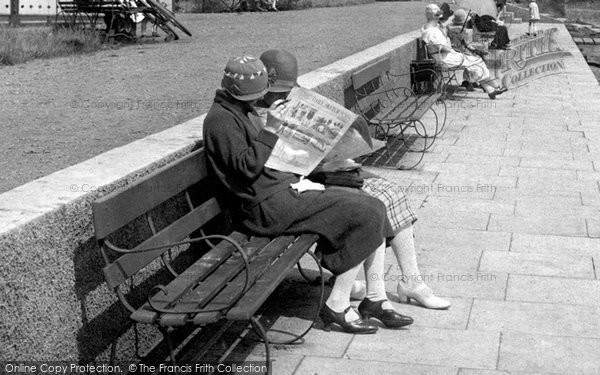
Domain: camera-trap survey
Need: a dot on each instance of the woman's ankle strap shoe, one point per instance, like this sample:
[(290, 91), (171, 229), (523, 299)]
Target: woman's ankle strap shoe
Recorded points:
[(389, 317), (423, 295), (359, 326)]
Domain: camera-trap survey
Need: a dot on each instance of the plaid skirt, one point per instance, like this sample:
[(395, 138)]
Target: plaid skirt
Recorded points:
[(398, 210)]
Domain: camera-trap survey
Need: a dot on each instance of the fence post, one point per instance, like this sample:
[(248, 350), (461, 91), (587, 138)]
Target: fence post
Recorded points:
[(13, 19)]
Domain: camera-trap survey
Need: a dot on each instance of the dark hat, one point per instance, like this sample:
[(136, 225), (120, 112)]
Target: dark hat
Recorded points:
[(282, 68), (245, 78)]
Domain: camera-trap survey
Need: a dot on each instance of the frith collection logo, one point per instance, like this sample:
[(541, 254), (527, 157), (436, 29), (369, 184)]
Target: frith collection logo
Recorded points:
[(531, 58)]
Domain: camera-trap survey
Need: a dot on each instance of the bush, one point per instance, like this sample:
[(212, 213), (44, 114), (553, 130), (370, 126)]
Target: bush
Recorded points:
[(18, 45)]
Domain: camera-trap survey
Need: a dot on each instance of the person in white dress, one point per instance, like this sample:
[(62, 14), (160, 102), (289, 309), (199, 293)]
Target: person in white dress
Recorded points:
[(534, 18), (440, 48)]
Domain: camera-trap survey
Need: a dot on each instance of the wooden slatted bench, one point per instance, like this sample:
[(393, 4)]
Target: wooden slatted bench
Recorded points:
[(392, 109), (78, 11), (229, 280), (448, 79)]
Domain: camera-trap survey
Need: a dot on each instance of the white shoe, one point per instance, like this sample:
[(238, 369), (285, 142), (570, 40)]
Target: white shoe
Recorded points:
[(359, 290), (423, 295)]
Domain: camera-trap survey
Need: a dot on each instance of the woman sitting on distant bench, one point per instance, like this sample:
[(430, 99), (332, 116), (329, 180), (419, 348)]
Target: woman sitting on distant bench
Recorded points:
[(440, 48)]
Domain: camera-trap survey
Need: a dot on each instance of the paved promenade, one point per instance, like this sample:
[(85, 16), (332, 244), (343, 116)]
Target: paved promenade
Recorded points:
[(509, 231)]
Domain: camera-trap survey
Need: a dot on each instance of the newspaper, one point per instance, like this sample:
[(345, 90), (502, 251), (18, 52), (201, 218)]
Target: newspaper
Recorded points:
[(311, 128)]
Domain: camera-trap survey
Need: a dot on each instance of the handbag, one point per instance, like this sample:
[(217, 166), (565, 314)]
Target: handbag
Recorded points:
[(352, 178), (422, 76)]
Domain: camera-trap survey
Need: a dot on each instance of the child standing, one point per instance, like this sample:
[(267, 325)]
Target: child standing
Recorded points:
[(534, 17)]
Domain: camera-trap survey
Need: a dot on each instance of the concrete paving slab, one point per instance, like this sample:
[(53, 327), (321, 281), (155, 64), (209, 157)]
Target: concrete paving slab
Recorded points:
[(556, 163), (472, 371), (563, 265), (536, 154), (280, 364), (570, 226), (538, 173), (431, 346), (590, 199), (593, 227), (545, 183), (319, 365), (536, 318), (549, 202), (460, 168), (556, 208), (466, 284), (531, 243), (494, 150), (553, 289), (469, 205), (430, 237), (454, 220), (456, 317), (443, 260), (476, 183), (588, 175), (541, 353), (512, 195), (321, 344)]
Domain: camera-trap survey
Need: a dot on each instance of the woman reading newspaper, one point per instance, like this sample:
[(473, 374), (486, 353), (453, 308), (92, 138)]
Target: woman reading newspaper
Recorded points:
[(282, 67), (353, 227)]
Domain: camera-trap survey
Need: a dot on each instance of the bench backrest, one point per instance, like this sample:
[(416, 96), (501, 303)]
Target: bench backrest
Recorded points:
[(123, 207), (372, 86)]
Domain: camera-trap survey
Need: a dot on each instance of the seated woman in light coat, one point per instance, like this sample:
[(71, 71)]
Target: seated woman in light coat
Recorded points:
[(440, 48)]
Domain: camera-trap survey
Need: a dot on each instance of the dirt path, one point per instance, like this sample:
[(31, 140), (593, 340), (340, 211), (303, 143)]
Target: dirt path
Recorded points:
[(56, 113)]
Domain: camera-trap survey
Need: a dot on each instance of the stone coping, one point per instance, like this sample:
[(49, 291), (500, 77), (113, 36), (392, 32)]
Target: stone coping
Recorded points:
[(30, 202)]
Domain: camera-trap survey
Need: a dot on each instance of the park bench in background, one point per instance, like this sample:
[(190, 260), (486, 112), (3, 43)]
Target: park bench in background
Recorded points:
[(395, 113), (231, 273), (448, 79), (119, 14)]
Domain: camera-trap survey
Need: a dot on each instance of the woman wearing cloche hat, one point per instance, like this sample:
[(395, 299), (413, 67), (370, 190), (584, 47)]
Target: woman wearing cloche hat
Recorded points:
[(283, 72), (352, 226)]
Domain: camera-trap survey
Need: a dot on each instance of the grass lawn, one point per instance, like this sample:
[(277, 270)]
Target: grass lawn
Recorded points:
[(19, 45)]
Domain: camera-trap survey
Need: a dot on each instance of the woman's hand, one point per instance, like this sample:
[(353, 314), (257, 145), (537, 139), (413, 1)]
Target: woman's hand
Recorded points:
[(275, 115)]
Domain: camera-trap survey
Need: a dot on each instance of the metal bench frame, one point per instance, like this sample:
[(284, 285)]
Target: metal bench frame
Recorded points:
[(230, 281), (74, 11), (391, 108), (449, 80)]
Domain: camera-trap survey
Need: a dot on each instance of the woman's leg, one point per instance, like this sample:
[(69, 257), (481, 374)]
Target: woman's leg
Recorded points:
[(337, 308), (376, 304), (403, 246), (412, 285), (374, 269), (339, 299)]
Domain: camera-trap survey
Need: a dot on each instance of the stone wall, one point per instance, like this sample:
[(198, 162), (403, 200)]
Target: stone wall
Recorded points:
[(55, 304)]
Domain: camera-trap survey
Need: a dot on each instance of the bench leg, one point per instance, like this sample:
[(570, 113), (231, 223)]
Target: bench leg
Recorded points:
[(166, 332), (423, 135), (258, 328), (441, 127)]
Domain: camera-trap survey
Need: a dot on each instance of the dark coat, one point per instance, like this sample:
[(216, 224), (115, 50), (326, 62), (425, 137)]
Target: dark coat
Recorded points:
[(351, 224)]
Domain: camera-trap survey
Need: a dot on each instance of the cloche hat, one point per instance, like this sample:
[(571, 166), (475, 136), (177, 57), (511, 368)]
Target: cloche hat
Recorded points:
[(282, 68), (245, 78), (459, 17)]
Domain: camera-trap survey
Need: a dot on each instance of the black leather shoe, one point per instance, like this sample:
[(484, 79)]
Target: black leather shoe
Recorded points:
[(497, 92), (468, 85), (359, 326), (389, 317)]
